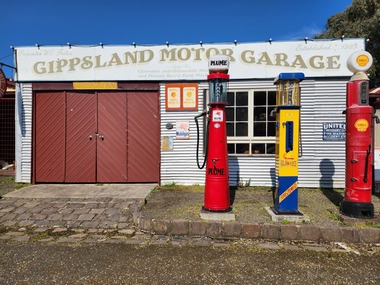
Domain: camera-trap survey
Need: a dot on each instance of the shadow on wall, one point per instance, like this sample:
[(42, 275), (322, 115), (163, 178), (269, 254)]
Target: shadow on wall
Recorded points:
[(326, 182), (234, 177), (273, 178)]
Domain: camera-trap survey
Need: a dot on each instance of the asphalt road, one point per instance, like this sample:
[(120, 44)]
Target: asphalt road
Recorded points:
[(87, 263)]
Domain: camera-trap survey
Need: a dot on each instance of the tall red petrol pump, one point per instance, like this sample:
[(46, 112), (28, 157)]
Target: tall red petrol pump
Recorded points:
[(359, 140), (217, 192)]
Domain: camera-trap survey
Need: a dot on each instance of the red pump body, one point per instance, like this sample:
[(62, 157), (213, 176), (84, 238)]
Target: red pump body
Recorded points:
[(217, 193), (359, 152)]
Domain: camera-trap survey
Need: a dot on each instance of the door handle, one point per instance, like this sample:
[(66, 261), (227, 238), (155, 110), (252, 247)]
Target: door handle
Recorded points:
[(101, 137), (90, 137)]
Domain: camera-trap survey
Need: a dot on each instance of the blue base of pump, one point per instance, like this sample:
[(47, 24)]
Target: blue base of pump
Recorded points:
[(289, 203)]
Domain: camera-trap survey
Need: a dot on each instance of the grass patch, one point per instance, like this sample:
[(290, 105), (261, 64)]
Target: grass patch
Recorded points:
[(335, 216), (373, 225), (170, 185), (22, 185), (7, 180), (187, 212), (44, 235), (176, 187), (253, 188), (3, 229)]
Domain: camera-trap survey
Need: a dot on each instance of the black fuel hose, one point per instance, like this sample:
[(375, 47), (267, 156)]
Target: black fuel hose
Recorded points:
[(197, 153)]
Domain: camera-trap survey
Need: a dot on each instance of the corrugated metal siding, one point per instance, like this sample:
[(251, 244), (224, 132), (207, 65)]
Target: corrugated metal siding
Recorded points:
[(321, 162), (23, 120), (179, 165), (377, 130), (330, 102)]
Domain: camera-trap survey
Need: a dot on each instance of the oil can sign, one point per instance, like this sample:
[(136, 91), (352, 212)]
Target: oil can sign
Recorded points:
[(3, 83)]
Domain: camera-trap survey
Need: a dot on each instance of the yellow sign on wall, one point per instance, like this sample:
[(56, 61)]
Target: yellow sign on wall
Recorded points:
[(95, 85), (181, 96)]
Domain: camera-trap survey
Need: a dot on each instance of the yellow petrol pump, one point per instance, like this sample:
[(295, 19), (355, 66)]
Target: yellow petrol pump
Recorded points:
[(287, 141)]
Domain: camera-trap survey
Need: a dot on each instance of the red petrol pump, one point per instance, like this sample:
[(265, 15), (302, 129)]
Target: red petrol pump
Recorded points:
[(217, 192), (359, 140)]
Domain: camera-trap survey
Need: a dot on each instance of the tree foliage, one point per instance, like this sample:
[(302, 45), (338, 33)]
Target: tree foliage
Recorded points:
[(360, 20)]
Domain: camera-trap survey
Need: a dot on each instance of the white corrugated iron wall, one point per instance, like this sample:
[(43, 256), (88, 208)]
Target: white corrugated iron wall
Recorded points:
[(179, 165), (23, 127), (321, 163), (330, 102)]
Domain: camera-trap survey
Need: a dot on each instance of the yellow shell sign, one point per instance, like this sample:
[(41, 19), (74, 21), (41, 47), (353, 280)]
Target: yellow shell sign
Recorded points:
[(362, 60), (359, 61), (361, 125)]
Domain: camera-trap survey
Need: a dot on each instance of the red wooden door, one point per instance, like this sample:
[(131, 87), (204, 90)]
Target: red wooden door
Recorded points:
[(49, 144), (112, 137), (143, 137), (81, 113)]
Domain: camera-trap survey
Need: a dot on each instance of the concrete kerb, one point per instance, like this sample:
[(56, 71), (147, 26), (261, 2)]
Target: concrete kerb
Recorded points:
[(258, 231)]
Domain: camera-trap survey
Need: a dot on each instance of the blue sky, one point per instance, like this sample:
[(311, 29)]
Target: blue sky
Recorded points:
[(121, 22)]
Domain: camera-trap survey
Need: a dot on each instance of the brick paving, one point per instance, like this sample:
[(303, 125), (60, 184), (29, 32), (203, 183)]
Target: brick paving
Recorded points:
[(119, 220), (68, 213)]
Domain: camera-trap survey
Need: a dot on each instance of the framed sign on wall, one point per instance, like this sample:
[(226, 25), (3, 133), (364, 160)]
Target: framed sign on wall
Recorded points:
[(181, 96)]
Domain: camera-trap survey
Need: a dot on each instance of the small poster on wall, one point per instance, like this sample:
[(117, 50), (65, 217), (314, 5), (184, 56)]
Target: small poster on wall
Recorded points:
[(181, 96), (167, 143), (189, 97), (182, 130), (173, 97)]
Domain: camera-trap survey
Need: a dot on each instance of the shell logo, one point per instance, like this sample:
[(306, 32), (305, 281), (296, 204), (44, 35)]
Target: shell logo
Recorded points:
[(362, 60), (289, 116), (359, 61), (189, 94), (361, 125), (289, 156), (173, 94)]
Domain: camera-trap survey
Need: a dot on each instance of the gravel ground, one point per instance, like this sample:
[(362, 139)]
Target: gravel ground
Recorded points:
[(248, 203), (54, 263)]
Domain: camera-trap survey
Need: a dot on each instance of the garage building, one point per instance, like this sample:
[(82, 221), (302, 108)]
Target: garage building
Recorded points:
[(122, 114)]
